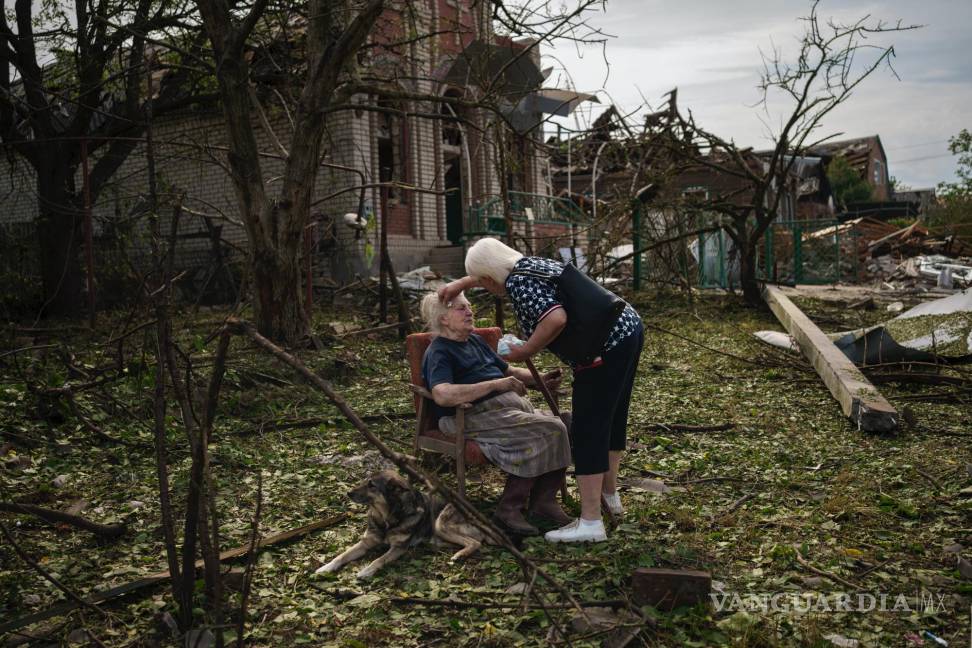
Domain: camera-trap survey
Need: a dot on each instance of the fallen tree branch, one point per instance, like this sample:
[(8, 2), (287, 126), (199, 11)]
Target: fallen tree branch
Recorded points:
[(405, 600), (50, 515)]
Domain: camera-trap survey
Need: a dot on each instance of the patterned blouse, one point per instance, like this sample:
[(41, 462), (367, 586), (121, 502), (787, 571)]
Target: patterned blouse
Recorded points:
[(534, 298)]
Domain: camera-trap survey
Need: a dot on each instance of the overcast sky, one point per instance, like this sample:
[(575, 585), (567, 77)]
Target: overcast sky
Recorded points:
[(710, 50)]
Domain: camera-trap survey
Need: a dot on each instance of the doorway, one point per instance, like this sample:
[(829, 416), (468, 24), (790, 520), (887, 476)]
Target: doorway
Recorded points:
[(454, 200)]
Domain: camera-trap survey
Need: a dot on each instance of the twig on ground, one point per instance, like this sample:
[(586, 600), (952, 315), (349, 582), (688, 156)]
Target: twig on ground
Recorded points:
[(43, 572), (679, 427), (488, 605), (934, 482), (705, 480), (875, 567), (819, 572), (103, 530), (739, 502)]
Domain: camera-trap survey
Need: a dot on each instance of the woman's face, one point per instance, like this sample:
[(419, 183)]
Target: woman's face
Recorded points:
[(493, 286), (459, 316)]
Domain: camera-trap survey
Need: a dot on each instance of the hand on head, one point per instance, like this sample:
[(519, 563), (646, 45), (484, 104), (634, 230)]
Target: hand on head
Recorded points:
[(449, 291)]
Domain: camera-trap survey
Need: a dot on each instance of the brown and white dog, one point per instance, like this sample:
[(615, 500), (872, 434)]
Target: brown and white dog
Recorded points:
[(402, 517)]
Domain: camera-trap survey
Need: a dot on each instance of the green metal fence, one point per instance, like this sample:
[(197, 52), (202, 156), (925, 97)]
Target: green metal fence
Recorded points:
[(820, 251), (489, 219)]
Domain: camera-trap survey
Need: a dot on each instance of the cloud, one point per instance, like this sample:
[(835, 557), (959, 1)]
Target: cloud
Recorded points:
[(711, 52)]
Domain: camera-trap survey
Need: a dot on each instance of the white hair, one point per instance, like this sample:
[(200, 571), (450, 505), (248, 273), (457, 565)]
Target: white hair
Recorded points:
[(489, 257), (432, 311)]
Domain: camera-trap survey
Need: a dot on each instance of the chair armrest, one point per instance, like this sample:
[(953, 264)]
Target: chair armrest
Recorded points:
[(425, 393)]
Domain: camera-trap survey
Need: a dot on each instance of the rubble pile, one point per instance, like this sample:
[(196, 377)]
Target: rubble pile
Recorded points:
[(911, 258)]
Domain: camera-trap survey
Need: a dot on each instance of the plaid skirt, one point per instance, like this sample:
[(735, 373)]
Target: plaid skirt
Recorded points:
[(515, 437)]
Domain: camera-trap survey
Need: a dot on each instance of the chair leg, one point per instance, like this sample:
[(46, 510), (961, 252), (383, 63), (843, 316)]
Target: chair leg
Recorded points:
[(461, 451), (419, 418)]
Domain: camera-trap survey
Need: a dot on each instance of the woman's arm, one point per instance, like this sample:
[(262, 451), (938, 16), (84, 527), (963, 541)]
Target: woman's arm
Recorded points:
[(546, 332), (450, 395), (450, 290)]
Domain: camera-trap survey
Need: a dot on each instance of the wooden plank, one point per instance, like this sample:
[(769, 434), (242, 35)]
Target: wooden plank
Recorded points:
[(667, 589), (158, 577), (858, 398)]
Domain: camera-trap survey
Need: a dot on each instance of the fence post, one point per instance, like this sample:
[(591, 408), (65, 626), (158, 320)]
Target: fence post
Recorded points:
[(723, 279), (837, 251), (797, 254), (769, 252)]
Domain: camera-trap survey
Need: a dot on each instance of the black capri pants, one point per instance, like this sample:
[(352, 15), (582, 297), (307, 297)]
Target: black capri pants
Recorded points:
[(600, 400)]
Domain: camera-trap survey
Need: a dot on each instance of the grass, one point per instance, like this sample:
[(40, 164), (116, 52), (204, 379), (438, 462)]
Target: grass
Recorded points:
[(878, 512)]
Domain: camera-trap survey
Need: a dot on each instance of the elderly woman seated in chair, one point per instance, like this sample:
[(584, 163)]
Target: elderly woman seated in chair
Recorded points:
[(532, 448)]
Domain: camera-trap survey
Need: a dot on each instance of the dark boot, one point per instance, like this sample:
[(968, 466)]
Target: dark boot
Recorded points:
[(509, 509), (543, 498)]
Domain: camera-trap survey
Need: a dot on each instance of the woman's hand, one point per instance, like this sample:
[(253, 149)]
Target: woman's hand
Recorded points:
[(511, 383), (518, 353), (449, 291)]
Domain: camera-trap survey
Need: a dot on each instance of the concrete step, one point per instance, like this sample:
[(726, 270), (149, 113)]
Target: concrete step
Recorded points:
[(447, 260)]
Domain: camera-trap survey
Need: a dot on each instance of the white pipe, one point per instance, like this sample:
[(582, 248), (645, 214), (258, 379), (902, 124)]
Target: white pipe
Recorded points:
[(570, 194), (597, 158), (465, 151)]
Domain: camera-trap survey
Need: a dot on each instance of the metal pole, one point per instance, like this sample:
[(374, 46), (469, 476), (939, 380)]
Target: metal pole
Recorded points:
[(88, 234)]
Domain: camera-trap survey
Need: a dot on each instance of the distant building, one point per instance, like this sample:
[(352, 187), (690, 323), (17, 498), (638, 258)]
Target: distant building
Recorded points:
[(866, 155)]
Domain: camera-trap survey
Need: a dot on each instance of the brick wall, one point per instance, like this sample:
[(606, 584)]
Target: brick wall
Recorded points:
[(191, 162)]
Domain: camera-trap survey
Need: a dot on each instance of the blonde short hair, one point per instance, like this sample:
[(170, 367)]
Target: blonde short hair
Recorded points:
[(432, 311), (489, 257)]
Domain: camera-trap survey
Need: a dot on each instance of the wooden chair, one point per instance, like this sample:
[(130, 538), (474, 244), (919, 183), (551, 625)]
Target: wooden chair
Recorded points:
[(427, 434)]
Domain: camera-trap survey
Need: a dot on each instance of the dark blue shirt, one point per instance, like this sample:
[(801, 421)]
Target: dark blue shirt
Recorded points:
[(460, 363)]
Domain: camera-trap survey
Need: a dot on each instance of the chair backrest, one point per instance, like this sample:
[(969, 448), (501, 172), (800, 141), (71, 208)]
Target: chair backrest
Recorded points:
[(417, 343)]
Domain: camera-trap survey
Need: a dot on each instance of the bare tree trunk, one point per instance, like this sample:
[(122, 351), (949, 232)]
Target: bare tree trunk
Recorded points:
[(58, 235), (747, 273), (279, 304)]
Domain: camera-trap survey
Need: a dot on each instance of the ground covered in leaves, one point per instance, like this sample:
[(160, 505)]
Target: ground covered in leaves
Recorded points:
[(790, 502)]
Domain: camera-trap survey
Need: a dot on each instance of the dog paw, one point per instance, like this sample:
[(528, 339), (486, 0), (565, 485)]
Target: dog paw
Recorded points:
[(329, 568), (365, 574)]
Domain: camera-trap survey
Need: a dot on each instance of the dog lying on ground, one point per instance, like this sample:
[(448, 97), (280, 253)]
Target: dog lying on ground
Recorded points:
[(402, 517)]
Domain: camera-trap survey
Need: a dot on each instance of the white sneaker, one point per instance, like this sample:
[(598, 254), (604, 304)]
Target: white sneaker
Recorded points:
[(578, 531), (613, 503)]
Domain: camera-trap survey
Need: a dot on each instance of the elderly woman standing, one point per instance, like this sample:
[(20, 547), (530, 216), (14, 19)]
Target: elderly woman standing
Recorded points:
[(532, 448), (602, 389)]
